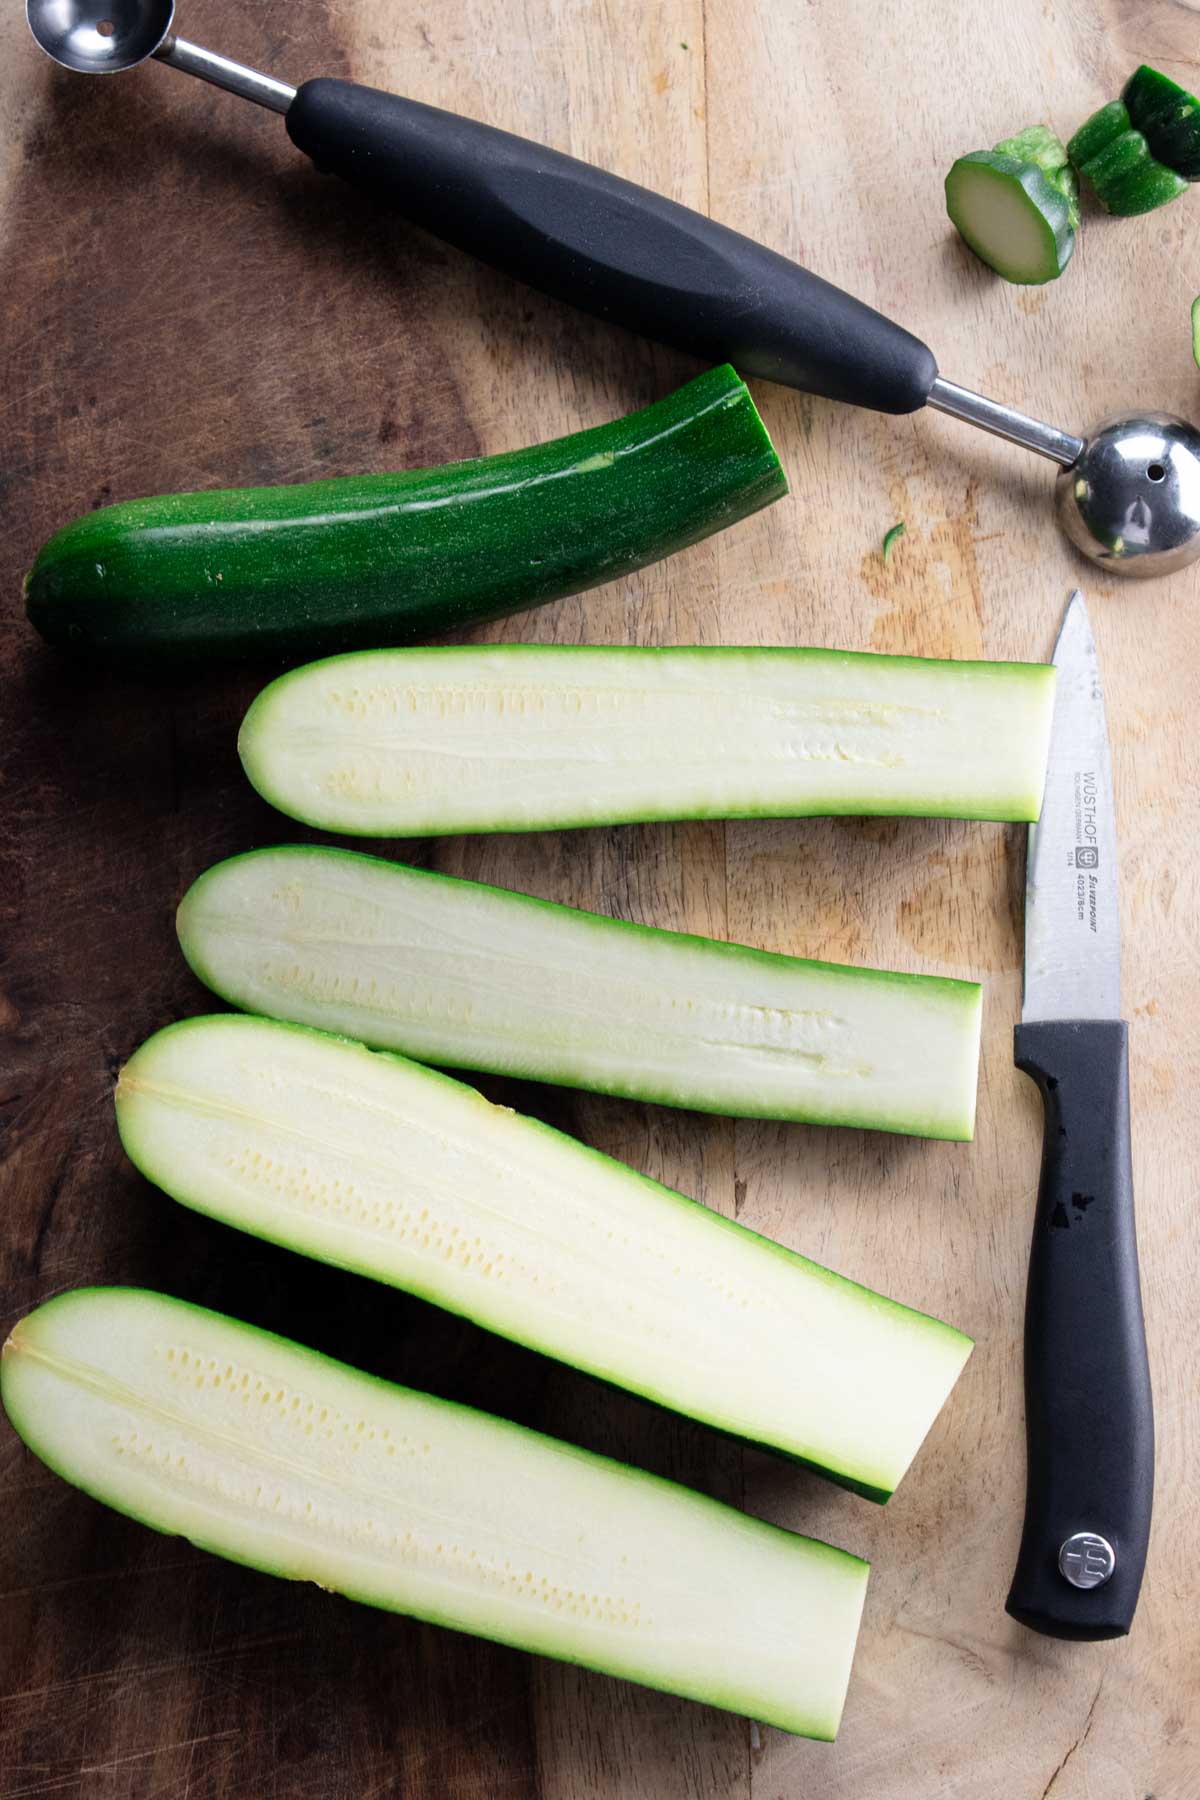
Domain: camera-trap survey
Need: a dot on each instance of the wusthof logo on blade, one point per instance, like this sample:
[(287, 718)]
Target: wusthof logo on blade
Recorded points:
[(1087, 833)]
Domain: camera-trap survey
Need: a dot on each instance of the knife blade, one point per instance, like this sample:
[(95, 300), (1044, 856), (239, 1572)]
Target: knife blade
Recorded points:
[(1072, 920), (1089, 1419)]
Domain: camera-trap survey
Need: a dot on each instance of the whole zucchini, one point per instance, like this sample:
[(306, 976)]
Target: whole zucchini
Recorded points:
[(286, 573)]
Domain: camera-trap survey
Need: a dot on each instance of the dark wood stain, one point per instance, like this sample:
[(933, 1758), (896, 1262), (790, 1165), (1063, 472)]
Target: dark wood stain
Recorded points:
[(184, 304)]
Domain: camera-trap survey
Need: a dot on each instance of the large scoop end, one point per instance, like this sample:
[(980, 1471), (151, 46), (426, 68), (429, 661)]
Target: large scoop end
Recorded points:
[(1132, 500)]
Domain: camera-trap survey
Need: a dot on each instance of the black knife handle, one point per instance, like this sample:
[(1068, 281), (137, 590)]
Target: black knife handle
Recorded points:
[(1089, 1417), (611, 248)]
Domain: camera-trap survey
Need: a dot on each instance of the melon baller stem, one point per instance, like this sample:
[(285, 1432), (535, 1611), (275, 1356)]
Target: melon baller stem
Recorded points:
[(1005, 422), (221, 71)]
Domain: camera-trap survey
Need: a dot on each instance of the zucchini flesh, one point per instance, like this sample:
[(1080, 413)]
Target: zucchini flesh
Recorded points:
[(1039, 145), (376, 1164), (522, 738), (463, 975), (267, 1453), (1011, 216), (292, 572)]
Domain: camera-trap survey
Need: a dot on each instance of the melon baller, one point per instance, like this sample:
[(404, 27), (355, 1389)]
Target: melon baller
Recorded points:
[(1128, 495)]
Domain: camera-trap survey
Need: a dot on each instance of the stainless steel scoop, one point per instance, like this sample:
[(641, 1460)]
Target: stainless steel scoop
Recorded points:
[(1128, 495)]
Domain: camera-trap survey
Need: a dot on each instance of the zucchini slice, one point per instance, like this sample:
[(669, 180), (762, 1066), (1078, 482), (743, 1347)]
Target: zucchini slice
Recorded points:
[(286, 1461), (468, 976), (293, 572), (418, 743), (1011, 215), (376, 1164), (1039, 145)]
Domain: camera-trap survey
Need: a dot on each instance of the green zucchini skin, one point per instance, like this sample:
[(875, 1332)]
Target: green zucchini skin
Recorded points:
[(286, 573), (1121, 165), (1141, 190), (1097, 132), (1127, 180), (377, 1164), (281, 1459), (1169, 118), (464, 975)]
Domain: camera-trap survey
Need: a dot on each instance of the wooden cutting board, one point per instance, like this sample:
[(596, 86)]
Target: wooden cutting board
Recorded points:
[(184, 303)]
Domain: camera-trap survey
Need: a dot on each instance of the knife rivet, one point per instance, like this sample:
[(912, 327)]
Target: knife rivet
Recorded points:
[(1087, 1559)]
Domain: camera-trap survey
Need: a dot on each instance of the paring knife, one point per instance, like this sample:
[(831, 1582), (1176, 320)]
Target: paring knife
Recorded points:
[(1088, 1414)]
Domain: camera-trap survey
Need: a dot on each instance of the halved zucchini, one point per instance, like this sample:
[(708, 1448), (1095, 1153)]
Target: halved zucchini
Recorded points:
[(376, 1164), (533, 737), (284, 1460), (467, 976)]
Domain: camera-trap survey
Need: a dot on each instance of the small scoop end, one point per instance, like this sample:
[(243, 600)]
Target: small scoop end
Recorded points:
[(99, 37)]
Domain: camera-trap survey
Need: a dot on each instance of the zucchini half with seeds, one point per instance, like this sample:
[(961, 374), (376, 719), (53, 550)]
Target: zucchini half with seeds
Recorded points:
[(286, 573), (376, 1164), (286, 1461), (462, 975), (418, 743)]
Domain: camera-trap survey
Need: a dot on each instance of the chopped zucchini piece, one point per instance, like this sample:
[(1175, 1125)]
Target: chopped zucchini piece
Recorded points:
[(1039, 145), (1098, 132), (1169, 118), (1127, 180), (1011, 216)]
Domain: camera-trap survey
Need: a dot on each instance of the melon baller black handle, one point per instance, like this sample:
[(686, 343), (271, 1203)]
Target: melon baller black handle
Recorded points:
[(636, 259), (611, 248), (632, 257)]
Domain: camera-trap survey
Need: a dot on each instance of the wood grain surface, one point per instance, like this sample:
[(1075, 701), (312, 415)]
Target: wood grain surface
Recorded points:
[(183, 303)]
